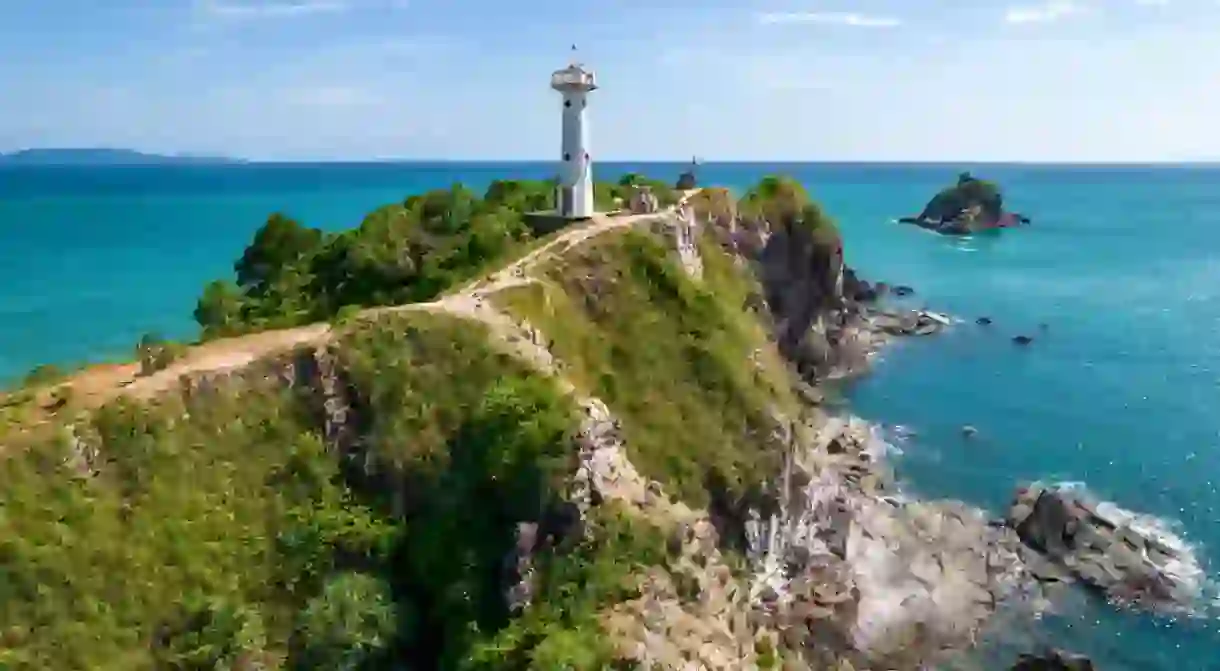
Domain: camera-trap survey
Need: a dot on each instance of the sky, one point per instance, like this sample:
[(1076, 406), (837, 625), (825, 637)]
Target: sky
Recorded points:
[(920, 80)]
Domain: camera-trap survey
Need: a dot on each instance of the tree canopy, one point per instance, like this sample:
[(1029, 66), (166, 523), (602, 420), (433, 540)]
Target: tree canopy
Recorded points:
[(291, 274)]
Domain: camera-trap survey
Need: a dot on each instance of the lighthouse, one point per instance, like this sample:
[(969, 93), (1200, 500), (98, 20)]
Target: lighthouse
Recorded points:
[(575, 197)]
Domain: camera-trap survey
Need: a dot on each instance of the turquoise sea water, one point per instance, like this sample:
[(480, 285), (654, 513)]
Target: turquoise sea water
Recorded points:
[(1122, 264)]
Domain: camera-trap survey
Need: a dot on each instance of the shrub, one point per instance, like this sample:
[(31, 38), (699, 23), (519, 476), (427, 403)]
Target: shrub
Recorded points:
[(351, 622), (155, 354)]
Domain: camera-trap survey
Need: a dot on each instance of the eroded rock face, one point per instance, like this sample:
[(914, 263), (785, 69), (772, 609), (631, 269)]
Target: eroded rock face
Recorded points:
[(850, 572), (642, 201), (1129, 566), (826, 319)]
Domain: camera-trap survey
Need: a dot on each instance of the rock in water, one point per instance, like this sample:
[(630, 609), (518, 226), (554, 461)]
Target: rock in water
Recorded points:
[(1055, 660), (969, 206), (1128, 564)]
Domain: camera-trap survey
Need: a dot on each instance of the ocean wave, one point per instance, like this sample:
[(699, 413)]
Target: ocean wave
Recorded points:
[(1185, 567)]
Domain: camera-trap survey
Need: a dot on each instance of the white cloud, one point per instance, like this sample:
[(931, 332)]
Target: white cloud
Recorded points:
[(831, 18), (248, 9), (1044, 13)]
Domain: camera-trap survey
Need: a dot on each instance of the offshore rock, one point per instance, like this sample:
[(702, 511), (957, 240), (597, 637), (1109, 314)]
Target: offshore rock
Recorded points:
[(1100, 547), (1055, 660), (967, 207)]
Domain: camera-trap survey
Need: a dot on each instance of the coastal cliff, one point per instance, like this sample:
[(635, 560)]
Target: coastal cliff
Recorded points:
[(607, 452)]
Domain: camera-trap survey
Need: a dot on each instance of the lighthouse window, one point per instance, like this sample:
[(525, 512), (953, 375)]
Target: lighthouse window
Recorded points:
[(584, 104), (567, 103), (567, 157)]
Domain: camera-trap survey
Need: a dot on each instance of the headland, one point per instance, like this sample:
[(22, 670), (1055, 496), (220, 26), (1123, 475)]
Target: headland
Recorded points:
[(609, 444)]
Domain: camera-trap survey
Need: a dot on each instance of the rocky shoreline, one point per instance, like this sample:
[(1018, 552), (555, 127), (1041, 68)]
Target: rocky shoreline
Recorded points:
[(852, 572)]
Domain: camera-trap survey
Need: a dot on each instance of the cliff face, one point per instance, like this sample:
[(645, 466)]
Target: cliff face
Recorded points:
[(595, 456)]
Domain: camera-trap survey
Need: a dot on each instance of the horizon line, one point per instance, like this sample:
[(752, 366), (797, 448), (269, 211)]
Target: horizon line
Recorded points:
[(225, 160)]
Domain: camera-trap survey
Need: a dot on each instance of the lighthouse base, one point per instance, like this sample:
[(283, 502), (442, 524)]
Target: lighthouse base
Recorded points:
[(574, 202)]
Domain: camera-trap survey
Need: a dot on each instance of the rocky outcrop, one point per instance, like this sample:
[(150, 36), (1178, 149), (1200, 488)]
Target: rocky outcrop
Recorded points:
[(848, 571), (691, 613), (969, 206), (1101, 550), (826, 319), (642, 200)]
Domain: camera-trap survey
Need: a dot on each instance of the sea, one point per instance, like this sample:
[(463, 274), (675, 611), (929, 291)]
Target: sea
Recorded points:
[(1117, 280)]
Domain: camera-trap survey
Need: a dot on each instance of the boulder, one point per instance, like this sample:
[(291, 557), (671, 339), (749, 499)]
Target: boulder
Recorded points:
[(1056, 660), (1126, 564), (642, 200)]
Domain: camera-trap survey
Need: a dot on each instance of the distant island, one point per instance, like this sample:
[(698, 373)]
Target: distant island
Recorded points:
[(969, 206), (103, 156)]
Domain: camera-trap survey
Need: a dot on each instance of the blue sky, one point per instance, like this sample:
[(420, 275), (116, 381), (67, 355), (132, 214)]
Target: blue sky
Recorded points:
[(1057, 80)]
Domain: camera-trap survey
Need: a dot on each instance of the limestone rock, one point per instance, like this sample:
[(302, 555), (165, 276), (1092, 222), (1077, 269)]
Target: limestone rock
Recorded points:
[(1128, 565), (642, 200)]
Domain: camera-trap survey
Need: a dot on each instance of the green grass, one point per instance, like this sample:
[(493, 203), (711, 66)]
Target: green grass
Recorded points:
[(222, 530), (670, 356)]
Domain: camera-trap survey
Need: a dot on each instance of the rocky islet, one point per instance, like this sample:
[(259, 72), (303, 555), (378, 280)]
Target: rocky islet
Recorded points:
[(970, 206)]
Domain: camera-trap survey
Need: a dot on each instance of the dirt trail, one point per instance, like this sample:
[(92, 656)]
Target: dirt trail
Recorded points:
[(97, 385)]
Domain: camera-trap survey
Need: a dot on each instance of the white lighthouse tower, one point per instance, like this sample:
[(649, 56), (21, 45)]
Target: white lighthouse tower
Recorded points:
[(575, 197)]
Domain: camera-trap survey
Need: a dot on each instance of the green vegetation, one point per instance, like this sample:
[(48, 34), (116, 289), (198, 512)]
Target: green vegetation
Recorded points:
[(407, 252), (968, 192), (238, 528), (221, 532), (671, 357), (716, 205), (155, 354)]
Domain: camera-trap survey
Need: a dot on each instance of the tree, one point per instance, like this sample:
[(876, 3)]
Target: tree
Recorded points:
[(219, 310), (280, 243), (351, 623), (212, 636)]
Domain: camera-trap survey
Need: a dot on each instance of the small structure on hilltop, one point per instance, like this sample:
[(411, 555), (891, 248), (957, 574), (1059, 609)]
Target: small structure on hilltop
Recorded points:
[(688, 180), (575, 197)]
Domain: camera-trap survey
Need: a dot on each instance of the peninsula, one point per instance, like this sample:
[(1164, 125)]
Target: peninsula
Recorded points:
[(102, 156), (445, 439)]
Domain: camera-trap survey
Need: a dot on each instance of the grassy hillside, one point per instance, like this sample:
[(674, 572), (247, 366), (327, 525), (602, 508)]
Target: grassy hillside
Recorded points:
[(670, 356), (236, 527), (224, 529)]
